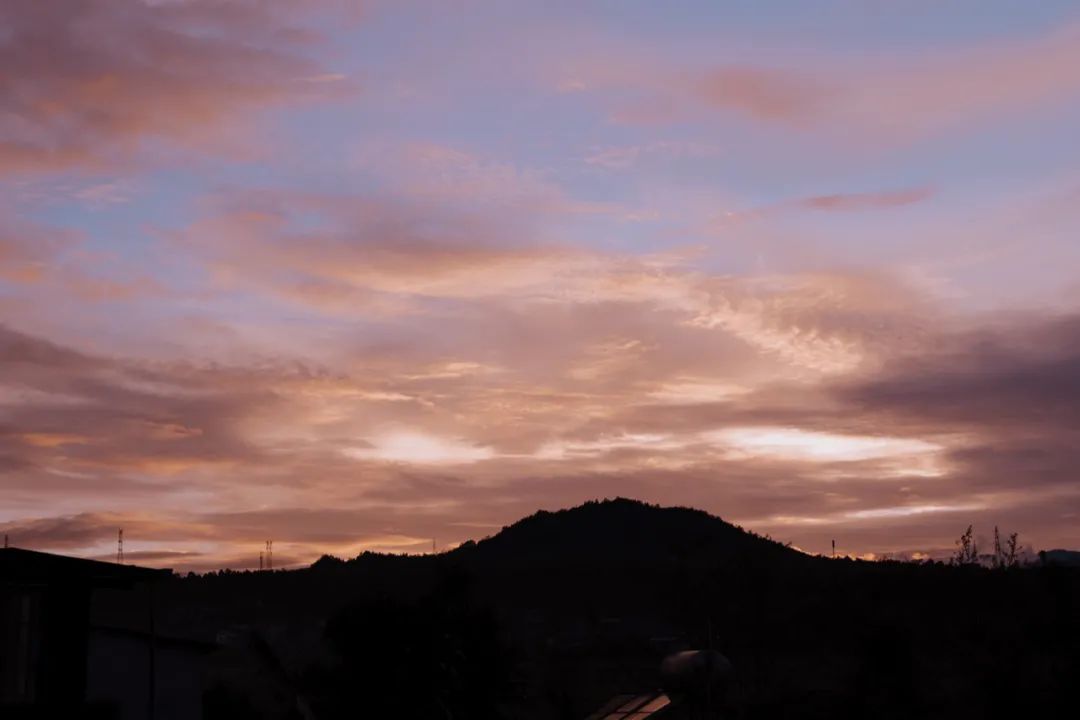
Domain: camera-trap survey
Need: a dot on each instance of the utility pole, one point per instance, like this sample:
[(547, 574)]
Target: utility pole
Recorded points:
[(260, 562), (120, 547), (269, 554), (834, 548)]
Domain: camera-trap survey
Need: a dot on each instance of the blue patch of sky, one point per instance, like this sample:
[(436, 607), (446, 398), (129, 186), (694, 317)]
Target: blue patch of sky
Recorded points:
[(885, 25)]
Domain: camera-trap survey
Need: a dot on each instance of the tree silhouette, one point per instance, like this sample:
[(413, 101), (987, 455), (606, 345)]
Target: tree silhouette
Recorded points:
[(967, 552), (1005, 555)]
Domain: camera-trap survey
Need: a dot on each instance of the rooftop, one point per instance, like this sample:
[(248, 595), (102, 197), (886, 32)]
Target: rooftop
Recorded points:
[(19, 565)]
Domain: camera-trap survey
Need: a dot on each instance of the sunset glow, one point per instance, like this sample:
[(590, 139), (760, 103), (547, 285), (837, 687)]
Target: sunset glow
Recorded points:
[(405, 447), (795, 444), (355, 274)]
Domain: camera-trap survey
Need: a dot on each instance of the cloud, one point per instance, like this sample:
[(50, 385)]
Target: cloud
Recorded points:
[(1005, 377), (450, 339), (818, 446), (91, 422), (356, 256), (866, 201), (88, 529), (762, 93), (42, 263), (981, 84), (435, 173), (629, 156), (86, 85), (456, 362), (893, 97), (418, 448), (411, 261), (730, 220), (1003, 400), (525, 389), (27, 248)]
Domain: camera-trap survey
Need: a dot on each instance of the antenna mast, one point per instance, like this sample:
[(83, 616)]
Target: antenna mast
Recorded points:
[(269, 554), (120, 547)]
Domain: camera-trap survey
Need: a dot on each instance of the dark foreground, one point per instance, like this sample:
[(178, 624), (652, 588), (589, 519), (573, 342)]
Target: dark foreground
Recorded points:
[(561, 612), (558, 613)]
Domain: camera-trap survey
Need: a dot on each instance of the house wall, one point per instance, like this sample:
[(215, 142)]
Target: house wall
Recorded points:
[(118, 676), (20, 645), (42, 644)]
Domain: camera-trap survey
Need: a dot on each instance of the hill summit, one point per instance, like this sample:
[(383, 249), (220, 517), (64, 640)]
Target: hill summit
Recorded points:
[(622, 533)]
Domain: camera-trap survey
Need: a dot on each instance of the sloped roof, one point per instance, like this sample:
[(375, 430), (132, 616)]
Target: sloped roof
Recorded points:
[(30, 566)]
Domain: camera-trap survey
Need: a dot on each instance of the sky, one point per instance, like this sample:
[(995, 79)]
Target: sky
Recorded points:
[(367, 275)]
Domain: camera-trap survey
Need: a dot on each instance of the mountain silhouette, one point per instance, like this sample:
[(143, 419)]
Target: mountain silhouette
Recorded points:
[(560, 612), (622, 533)]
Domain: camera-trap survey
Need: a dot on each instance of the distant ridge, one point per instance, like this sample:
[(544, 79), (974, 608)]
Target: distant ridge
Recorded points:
[(622, 532), (1065, 558)]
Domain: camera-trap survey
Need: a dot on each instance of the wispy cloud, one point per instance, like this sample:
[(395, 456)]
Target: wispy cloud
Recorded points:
[(866, 201), (892, 97)]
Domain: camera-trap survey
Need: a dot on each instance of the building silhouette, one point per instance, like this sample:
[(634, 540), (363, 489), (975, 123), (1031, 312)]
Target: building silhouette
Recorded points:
[(78, 639)]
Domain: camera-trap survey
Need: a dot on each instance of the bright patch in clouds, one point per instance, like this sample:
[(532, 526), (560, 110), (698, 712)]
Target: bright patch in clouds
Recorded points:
[(697, 390), (569, 449), (421, 449), (794, 444), (881, 513), (908, 510)]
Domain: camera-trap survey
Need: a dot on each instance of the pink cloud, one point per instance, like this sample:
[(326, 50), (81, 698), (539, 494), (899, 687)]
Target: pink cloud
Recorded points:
[(836, 202), (890, 97), (49, 260), (629, 156), (27, 249), (84, 84), (980, 84), (762, 93), (436, 173), (866, 201)]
